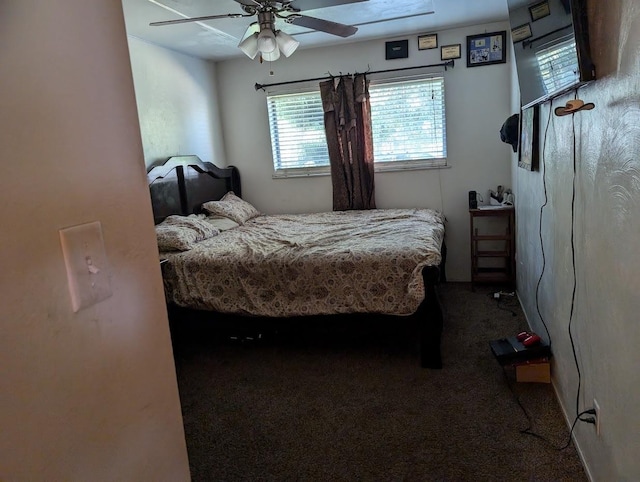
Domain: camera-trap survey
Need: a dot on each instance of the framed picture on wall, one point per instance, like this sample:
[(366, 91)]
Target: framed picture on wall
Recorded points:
[(448, 52), (529, 138), (522, 32), (397, 49), (486, 49), (426, 42), (539, 10)]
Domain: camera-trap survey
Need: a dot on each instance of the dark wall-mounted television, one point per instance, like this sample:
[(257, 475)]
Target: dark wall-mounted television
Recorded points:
[(551, 45)]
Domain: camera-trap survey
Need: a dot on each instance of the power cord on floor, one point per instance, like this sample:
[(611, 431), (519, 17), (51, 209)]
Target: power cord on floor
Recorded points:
[(529, 430), (505, 308), (500, 296), (573, 425)]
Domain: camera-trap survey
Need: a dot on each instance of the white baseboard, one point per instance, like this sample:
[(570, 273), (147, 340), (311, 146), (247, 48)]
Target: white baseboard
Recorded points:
[(573, 436)]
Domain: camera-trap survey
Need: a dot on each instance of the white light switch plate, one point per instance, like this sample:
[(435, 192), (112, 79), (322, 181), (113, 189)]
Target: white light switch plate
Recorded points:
[(86, 261)]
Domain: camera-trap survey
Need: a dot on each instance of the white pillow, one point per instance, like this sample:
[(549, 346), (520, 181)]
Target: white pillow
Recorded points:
[(221, 223), (180, 233), (232, 207)]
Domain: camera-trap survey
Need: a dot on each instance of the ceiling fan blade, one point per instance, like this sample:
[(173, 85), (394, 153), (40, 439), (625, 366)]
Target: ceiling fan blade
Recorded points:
[(249, 3), (333, 28), (314, 4), (197, 19)]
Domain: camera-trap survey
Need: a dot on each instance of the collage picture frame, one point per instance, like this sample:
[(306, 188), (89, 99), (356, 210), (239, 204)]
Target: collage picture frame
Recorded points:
[(487, 49)]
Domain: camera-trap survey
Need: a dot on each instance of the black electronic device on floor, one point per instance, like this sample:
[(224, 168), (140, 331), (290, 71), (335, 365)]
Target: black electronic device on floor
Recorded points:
[(510, 350)]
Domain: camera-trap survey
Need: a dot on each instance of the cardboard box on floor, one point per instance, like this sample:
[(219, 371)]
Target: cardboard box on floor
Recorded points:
[(536, 371)]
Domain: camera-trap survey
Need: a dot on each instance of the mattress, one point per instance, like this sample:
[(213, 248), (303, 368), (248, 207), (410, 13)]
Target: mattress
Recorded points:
[(310, 264)]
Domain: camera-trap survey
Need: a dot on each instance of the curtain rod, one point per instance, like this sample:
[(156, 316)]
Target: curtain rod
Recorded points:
[(528, 42), (449, 63)]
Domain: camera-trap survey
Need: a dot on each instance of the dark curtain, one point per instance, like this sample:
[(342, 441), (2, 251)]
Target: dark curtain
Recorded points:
[(347, 121)]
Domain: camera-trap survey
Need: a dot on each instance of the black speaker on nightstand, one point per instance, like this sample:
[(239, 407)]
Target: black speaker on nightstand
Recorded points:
[(473, 200)]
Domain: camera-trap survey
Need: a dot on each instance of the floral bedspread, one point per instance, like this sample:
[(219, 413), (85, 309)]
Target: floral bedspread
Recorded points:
[(311, 264)]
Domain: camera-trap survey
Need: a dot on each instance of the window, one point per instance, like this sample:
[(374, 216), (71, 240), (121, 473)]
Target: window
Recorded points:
[(408, 123), (558, 65), (297, 132)]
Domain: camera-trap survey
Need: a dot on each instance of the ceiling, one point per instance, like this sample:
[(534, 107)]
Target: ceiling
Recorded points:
[(218, 39)]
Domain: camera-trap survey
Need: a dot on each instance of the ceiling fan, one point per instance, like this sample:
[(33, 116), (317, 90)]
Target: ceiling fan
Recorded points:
[(268, 41)]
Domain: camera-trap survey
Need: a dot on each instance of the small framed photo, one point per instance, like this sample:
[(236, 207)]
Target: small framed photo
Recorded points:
[(397, 49), (448, 52), (426, 42), (521, 32), (539, 10), (486, 49)]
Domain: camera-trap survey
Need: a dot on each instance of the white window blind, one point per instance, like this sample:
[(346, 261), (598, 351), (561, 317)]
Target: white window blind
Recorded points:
[(408, 123), (558, 65), (298, 139)]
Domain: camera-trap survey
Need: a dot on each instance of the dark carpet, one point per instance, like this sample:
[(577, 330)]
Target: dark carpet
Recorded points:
[(348, 401)]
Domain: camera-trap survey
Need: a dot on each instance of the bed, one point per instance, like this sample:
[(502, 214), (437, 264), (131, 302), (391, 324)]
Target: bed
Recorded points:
[(234, 259)]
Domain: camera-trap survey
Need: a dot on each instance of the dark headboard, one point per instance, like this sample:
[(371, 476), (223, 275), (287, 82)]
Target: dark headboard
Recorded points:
[(183, 183)]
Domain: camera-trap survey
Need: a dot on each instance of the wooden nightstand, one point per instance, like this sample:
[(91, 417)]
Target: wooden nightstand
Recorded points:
[(493, 253)]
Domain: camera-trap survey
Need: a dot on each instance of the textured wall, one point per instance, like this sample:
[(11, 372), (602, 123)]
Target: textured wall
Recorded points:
[(605, 227), (177, 104)]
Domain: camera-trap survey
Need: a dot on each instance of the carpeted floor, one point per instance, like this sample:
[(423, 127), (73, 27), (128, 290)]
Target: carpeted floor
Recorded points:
[(351, 403)]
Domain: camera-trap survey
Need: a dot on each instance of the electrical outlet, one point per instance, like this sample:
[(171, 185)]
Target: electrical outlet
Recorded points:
[(596, 407)]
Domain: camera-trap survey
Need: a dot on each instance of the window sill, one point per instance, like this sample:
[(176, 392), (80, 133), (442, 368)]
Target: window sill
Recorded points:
[(302, 172), (380, 167), (406, 166)]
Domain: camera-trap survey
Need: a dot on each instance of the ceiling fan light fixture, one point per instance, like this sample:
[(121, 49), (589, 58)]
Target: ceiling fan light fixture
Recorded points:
[(286, 43), (267, 41), (271, 56), (250, 46)]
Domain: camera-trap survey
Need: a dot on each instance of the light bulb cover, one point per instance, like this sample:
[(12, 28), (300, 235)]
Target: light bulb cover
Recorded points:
[(250, 46), (286, 43), (267, 41), (271, 56)]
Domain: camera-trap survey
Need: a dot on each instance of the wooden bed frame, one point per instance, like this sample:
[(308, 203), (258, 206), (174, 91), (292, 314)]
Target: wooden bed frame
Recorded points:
[(183, 183)]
